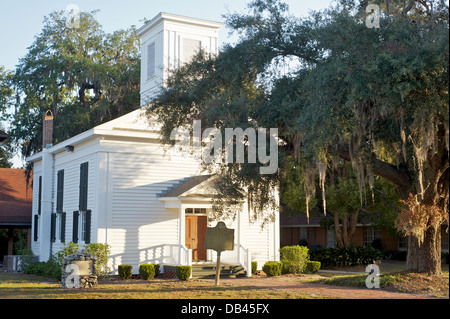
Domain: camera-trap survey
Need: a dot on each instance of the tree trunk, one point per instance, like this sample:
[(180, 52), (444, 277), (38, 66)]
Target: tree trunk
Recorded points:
[(337, 230), (425, 257), (344, 233)]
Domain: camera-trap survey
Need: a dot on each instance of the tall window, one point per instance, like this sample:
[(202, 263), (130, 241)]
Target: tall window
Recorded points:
[(82, 218), (60, 191), (84, 169), (151, 60)]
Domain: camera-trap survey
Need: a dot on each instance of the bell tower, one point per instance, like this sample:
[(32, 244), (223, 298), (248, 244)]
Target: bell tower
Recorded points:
[(168, 41)]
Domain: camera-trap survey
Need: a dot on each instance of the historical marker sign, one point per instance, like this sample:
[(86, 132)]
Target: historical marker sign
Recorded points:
[(219, 238)]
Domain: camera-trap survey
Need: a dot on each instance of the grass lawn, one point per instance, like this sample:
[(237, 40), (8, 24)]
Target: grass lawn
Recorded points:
[(22, 286), (393, 277)]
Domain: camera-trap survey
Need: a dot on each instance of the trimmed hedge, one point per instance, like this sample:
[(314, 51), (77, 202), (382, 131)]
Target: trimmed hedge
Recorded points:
[(346, 256), (125, 271), (147, 271), (183, 272), (312, 266), (49, 269), (293, 259), (272, 268), (254, 267)]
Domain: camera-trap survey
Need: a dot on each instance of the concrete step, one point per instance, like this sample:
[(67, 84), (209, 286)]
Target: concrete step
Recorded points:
[(209, 271)]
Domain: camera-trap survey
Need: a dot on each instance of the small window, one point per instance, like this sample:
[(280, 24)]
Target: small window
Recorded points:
[(197, 211), (151, 60)]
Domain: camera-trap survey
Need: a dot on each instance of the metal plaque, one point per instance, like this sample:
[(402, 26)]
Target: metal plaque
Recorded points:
[(219, 238)]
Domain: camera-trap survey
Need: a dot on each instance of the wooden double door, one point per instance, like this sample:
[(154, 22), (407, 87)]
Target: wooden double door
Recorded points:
[(195, 236)]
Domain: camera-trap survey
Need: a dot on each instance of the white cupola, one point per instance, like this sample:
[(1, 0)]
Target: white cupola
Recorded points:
[(169, 40)]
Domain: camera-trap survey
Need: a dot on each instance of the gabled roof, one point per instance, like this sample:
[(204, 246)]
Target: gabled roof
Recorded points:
[(15, 197), (131, 125), (187, 188)]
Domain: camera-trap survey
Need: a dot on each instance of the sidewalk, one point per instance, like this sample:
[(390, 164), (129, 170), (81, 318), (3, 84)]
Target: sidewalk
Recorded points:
[(300, 284)]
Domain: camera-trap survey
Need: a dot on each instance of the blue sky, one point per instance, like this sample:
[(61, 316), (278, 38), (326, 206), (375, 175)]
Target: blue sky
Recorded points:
[(22, 20)]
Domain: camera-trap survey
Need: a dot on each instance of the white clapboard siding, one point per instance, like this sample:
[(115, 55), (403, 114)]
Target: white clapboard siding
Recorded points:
[(141, 229)]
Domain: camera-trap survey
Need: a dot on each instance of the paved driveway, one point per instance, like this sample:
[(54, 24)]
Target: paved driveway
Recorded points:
[(300, 284)]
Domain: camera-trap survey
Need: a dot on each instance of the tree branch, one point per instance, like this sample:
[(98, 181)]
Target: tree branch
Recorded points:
[(398, 176)]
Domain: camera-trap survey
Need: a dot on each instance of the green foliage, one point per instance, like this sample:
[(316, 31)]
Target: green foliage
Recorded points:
[(183, 272), (50, 269), (101, 253), (343, 196), (346, 256), (312, 266), (294, 259), (147, 271), (157, 270), (68, 249), (254, 267), (84, 75), (125, 271), (272, 268)]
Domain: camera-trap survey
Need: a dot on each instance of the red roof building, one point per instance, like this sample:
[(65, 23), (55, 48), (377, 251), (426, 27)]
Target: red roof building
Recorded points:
[(15, 205)]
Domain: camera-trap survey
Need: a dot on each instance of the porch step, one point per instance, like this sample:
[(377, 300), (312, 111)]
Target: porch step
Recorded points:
[(209, 271)]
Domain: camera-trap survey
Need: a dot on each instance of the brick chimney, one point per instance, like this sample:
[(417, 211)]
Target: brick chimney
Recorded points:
[(47, 138)]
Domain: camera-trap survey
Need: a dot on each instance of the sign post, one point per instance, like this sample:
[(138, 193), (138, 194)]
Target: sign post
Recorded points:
[(219, 238)]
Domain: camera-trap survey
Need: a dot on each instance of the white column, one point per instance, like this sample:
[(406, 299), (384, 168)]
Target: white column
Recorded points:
[(46, 206), (182, 233)]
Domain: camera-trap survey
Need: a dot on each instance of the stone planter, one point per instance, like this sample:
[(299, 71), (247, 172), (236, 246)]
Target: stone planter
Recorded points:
[(78, 271)]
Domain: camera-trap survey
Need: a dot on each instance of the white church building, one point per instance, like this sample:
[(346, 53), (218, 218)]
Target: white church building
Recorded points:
[(117, 184)]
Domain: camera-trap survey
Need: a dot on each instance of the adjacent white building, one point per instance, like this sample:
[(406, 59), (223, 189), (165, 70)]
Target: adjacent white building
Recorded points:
[(116, 184)]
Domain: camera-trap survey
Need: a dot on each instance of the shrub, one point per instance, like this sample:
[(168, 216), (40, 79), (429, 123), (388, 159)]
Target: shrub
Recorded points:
[(312, 266), (395, 254), (101, 253), (147, 271), (157, 270), (254, 267), (272, 268), (125, 271), (183, 272), (49, 269), (347, 256), (293, 259), (69, 249)]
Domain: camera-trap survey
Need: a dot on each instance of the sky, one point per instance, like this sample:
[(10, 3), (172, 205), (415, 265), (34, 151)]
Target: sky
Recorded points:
[(22, 20)]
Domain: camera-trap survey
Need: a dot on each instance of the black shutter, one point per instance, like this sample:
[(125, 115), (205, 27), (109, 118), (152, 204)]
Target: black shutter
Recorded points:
[(36, 224), (87, 240), (40, 195), (84, 168), (63, 227), (60, 192), (75, 227), (53, 228)]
